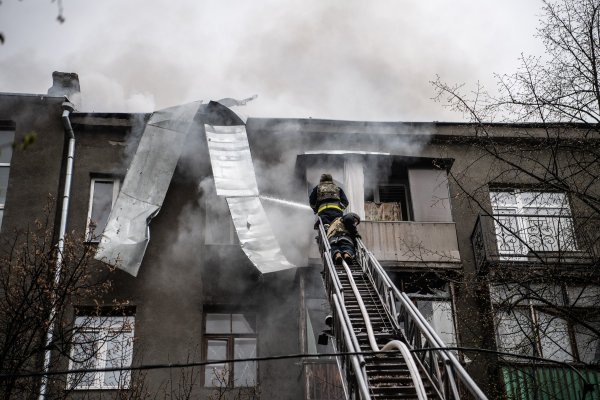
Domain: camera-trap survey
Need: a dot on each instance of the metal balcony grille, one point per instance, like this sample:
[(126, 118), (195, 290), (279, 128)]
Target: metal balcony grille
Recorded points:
[(534, 238)]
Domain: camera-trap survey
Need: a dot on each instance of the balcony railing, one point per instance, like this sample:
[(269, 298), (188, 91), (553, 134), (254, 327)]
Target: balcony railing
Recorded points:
[(534, 238), (412, 242)]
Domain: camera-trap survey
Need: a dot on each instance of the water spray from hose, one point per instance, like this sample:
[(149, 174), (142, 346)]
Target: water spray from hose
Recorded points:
[(285, 202)]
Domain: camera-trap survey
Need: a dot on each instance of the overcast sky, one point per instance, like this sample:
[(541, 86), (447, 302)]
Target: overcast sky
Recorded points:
[(345, 59)]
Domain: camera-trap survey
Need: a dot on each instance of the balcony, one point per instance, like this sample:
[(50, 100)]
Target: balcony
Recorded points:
[(418, 243), (534, 239)]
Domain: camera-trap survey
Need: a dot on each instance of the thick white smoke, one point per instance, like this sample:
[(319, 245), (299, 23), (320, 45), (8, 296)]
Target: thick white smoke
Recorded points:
[(348, 60)]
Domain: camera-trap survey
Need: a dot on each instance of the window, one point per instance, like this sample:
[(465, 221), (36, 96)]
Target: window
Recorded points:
[(387, 195), (101, 342), (407, 190), (6, 149), (433, 299), (103, 193), (387, 202), (531, 320), (230, 336), (528, 221)]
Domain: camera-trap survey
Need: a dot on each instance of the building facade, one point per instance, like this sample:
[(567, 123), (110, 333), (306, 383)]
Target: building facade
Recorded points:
[(494, 259)]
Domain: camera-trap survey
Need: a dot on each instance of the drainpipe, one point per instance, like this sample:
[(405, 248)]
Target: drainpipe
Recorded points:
[(67, 109)]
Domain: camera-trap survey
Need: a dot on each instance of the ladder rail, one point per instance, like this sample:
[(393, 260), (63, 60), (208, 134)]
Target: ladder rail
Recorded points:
[(350, 340), (358, 370), (416, 328), (392, 345), (341, 317)]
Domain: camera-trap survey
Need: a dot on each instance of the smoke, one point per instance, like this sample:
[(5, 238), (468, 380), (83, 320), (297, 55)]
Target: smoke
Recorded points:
[(102, 93), (352, 60)]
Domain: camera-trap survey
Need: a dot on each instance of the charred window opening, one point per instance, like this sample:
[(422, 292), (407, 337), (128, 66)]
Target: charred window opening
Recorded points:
[(387, 195), (103, 193), (230, 336), (386, 188)]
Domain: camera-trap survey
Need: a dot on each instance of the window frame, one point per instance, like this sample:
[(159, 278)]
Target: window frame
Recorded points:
[(6, 165), (404, 203), (105, 325), (230, 347), (116, 188), (449, 296), (517, 223), (533, 309)]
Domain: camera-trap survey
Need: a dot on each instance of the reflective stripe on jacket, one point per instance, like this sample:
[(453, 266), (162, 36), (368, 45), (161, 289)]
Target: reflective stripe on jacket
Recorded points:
[(335, 206)]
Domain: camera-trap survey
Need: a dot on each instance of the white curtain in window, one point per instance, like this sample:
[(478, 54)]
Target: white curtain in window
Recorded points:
[(354, 186)]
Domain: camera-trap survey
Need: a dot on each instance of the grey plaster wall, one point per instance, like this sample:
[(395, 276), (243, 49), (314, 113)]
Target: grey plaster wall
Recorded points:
[(35, 171), (182, 277)]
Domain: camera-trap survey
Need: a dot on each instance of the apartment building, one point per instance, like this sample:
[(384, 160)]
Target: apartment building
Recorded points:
[(495, 260)]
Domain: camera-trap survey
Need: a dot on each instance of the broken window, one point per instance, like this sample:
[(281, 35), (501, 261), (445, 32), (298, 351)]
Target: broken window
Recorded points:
[(6, 149), (101, 342), (406, 190), (386, 193), (103, 193), (394, 188), (229, 336)]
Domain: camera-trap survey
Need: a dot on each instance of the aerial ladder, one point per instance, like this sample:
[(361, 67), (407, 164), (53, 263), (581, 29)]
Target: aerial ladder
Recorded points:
[(370, 314)]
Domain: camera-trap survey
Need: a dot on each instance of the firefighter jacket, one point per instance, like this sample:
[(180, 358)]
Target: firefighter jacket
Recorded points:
[(342, 230), (327, 195)]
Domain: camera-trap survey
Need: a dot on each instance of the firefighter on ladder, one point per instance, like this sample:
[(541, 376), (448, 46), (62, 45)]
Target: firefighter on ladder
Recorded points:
[(342, 235), (328, 200)]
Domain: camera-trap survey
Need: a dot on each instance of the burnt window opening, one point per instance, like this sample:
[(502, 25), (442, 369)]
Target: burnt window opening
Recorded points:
[(388, 188), (387, 194)]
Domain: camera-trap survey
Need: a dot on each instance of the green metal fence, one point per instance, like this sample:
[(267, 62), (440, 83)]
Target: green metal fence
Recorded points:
[(549, 383)]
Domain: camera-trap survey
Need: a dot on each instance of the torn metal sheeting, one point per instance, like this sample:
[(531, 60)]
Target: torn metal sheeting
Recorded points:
[(231, 160), (255, 234), (234, 177), (127, 233)]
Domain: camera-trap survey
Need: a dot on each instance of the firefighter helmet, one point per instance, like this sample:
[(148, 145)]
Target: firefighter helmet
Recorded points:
[(352, 216)]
